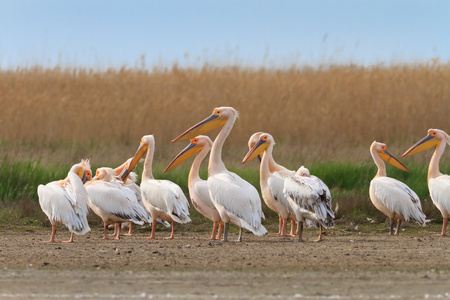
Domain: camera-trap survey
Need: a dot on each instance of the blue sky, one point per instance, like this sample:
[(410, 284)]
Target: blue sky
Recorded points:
[(103, 34)]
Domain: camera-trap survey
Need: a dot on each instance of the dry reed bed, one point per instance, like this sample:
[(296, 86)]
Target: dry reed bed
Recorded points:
[(316, 114)]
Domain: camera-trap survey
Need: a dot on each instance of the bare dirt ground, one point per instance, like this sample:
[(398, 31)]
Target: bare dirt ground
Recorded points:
[(347, 264)]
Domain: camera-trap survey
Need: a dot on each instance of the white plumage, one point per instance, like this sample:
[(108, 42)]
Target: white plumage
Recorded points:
[(163, 198), (236, 200), (113, 201), (66, 201), (310, 199), (272, 184), (438, 183), (398, 199), (390, 196), (198, 188)]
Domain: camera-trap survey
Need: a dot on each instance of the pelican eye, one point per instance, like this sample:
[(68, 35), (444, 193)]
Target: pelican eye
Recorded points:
[(383, 148)]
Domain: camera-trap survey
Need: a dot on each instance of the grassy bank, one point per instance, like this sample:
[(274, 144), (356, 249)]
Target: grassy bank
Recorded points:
[(348, 183)]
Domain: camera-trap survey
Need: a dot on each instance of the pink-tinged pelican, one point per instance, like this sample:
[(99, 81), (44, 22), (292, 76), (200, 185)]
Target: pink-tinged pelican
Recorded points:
[(66, 201), (163, 198), (198, 188), (236, 200), (390, 196), (310, 199), (438, 183), (113, 201), (272, 183), (129, 179)]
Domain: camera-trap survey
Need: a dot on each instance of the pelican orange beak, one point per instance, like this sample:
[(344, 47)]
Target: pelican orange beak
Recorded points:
[(256, 150), (424, 144), (134, 161), (389, 158), (212, 122), (83, 176), (191, 149)]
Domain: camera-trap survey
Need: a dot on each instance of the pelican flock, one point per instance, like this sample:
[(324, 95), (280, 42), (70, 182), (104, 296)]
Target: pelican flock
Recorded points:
[(224, 197)]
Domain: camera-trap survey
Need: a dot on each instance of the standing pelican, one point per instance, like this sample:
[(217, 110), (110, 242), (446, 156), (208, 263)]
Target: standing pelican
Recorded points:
[(113, 201), (66, 201), (390, 196), (438, 183), (236, 200), (198, 188), (272, 184), (163, 198), (129, 179)]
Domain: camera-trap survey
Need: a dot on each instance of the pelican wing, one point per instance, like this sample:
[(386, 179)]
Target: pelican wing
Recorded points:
[(168, 197), (239, 198), (62, 207), (201, 189), (116, 199), (398, 198), (440, 193), (308, 194), (276, 186)]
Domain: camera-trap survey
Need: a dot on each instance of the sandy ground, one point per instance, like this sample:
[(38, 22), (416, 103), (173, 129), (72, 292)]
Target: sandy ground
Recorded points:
[(347, 264)]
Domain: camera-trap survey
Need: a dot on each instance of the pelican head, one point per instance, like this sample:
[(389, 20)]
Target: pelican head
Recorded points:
[(146, 142), (259, 147), (83, 170), (303, 172), (381, 150), (195, 146), (434, 137), (104, 174), (218, 118), (253, 140)]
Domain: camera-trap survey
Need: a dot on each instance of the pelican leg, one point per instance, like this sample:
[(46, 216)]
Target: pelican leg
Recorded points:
[(225, 232), (219, 234), (171, 236), (298, 228), (292, 228), (153, 235), (391, 224), (52, 236), (280, 225), (70, 240), (444, 227), (397, 230), (283, 227), (117, 230), (300, 231), (213, 235), (105, 235), (240, 235), (130, 229), (320, 233)]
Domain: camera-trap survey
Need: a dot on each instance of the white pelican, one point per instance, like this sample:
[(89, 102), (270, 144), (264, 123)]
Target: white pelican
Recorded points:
[(272, 183), (163, 198), (113, 201), (129, 179), (66, 201), (310, 199), (438, 183), (236, 200), (198, 188), (390, 196)]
